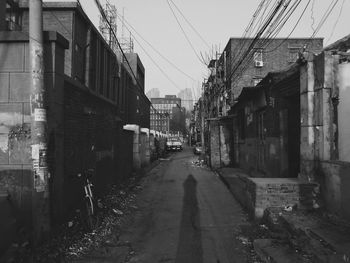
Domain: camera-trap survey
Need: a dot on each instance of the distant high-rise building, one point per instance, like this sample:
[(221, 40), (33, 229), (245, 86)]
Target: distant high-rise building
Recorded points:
[(186, 98), (153, 93)]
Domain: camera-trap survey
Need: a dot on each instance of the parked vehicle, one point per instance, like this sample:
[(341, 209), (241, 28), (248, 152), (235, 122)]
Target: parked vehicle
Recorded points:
[(174, 144), (197, 149)]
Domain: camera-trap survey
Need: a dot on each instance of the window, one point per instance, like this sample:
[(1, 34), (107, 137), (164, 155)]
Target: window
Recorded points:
[(258, 58), (13, 17), (293, 55)]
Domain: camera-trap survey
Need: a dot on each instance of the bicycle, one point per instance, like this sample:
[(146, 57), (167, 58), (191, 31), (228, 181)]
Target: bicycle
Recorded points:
[(90, 203)]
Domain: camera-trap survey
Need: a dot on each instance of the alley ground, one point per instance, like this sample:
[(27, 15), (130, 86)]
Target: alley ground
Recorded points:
[(184, 214)]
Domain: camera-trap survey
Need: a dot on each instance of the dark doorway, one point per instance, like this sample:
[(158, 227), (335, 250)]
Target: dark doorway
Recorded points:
[(294, 135)]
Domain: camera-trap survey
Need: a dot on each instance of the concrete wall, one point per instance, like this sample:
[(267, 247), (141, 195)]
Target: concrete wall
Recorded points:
[(344, 112), (214, 144), (221, 142), (16, 179), (324, 130)]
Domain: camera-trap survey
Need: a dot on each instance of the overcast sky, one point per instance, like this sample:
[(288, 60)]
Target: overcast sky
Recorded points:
[(216, 21)]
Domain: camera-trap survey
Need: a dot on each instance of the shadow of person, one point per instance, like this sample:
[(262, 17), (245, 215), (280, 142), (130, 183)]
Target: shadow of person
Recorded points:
[(189, 247)]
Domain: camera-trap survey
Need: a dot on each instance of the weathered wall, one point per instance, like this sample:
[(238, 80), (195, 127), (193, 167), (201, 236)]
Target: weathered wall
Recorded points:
[(16, 180), (344, 112), (214, 144), (91, 141), (226, 140), (266, 127), (125, 156), (324, 133)]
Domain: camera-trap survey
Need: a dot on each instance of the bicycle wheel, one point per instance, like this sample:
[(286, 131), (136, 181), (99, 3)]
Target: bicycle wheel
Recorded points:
[(91, 218)]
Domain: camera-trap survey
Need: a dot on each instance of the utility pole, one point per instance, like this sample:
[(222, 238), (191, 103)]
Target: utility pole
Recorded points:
[(202, 119), (40, 190)]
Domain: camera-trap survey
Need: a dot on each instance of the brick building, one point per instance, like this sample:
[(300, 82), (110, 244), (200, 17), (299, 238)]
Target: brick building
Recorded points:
[(228, 78), (290, 133), (163, 112), (91, 96)]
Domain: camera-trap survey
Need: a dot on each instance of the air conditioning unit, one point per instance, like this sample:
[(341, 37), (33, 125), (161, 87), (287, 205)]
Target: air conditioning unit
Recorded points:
[(259, 63)]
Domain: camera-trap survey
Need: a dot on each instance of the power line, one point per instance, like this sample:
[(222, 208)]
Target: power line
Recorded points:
[(257, 37), (124, 56), (155, 50), (183, 31), (336, 22), (291, 32), (188, 22), (155, 63)]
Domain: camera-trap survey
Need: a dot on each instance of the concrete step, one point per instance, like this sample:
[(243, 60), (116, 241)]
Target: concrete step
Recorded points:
[(277, 251)]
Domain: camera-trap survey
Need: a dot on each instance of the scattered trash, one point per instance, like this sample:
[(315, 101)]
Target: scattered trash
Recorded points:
[(244, 240), (198, 163), (72, 240), (117, 211), (288, 208), (264, 227)]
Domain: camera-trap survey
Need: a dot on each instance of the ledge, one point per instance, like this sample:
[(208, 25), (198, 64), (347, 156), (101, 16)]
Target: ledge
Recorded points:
[(22, 36)]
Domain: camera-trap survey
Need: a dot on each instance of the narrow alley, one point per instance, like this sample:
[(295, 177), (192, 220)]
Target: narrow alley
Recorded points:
[(145, 132), (185, 214)]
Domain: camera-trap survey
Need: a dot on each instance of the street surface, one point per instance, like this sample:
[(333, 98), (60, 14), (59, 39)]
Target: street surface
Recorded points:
[(185, 214)]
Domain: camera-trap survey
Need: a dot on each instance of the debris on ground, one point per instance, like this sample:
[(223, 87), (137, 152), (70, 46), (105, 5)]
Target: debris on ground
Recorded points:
[(198, 163), (72, 240), (118, 212)]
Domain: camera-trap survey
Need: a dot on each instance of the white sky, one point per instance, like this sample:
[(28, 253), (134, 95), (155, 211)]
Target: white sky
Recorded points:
[(216, 21)]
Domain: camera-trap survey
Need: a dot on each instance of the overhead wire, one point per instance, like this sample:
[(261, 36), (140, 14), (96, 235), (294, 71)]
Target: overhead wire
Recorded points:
[(156, 64), (337, 20), (291, 32), (185, 35), (100, 8), (274, 29), (129, 26), (189, 23), (258, 35), (281, 24)]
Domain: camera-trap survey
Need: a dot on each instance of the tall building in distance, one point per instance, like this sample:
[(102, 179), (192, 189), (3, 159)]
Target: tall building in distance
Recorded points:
[(153, 93), (163, 112), (187, 99)]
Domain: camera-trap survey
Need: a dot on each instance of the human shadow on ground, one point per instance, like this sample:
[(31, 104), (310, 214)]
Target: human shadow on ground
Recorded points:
[(189, 247)]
